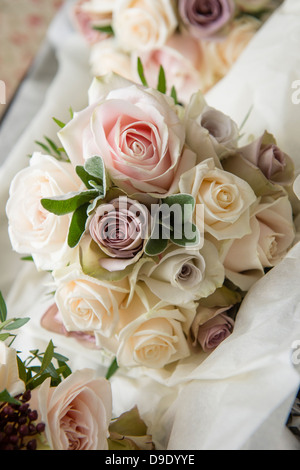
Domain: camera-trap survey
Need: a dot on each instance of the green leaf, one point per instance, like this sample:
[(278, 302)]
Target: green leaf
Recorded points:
[(77, 226), (59, 123), (68, 203), (174, 95), (22, 370), (66, 371), (27, 258), (84, 176), (95, 167), (162, 83), (155, 247), (5, 397), (48, 356), (181, 239), (140, 69), (53, 146), (104, 29), (112, 369), (43, 146), (17, 323), (4, 336), (3, 308)]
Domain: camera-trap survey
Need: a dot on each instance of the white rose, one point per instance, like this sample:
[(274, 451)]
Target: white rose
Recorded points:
[(87, 304), (225, 198), (151, 332), (184, 275), (100, 8), (272, 234), (9, 372), (32, 229), (143, 24)]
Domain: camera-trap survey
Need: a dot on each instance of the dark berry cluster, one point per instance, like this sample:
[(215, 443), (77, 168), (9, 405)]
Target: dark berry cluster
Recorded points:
[(18, 427)]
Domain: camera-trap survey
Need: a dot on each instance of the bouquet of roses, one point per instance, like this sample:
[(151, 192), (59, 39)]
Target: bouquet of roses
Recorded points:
[(196, 42), (45, 406), (154, 222)]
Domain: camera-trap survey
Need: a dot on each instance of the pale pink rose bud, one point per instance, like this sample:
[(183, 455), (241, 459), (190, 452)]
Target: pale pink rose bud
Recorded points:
[(212, 333), (206, 18), (119, 228)]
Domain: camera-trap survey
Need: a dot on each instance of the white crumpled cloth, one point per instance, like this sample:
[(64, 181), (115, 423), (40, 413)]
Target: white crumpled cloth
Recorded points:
[(240, 397)]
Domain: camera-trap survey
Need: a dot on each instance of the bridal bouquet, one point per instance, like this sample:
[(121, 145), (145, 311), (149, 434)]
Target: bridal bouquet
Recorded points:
[(196, 42), (154, 222)]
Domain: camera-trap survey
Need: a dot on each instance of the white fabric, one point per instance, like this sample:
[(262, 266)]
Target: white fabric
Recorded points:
[(240, 397)]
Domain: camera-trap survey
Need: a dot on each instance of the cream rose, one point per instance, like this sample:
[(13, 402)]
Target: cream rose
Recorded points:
[(222, 54), (226, 200), (32, 229), (151, 332), (106, 56), (144, 24), (9, 372), (87, 304), (272, 234), (184, 275), (136, 131), (77, 413)]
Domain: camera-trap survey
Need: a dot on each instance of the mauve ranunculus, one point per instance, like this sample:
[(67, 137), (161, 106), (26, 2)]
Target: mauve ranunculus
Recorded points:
[(204, 18), (212, 333), (120, 229)]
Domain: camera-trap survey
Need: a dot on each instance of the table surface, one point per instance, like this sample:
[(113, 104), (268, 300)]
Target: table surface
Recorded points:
[(26, 91), (23, 27)]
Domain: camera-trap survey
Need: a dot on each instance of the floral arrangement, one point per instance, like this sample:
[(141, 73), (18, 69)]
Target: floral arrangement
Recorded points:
[(196, 42), (153, 220), (44, 406)]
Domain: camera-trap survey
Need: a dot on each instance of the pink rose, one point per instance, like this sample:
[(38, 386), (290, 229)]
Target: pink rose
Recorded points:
[(182, 60), (213, 332), (77, 413), (205, 18), (136, 131), (85, 19)]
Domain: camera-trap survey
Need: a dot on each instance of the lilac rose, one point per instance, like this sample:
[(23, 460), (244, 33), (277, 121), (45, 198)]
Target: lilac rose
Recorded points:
[(204, 18), (212, 331), (275, 164), (120, 229)]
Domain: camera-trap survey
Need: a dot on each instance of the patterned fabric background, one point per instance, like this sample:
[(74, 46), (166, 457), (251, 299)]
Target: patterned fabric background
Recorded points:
[(23, 25)]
